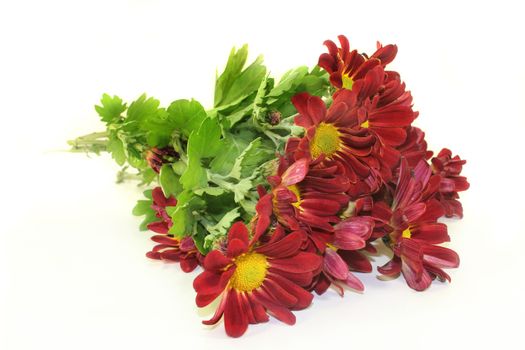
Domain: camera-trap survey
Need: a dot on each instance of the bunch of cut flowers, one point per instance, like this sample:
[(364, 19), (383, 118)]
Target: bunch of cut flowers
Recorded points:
[(286, 187)]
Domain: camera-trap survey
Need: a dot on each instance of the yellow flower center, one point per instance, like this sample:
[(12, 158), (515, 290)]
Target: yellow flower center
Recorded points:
[(347, 82), (406, 233), (331, 246), (250, 272), (327, 141), (295, 191), (364, 124)]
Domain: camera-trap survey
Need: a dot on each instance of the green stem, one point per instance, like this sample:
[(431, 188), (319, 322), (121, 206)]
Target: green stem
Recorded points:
[(95, 142)]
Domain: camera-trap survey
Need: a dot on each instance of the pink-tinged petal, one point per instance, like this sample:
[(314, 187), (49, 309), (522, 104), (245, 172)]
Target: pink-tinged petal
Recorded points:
[(236, 247), (296, 172), (433, 233), (352, 233), (216, 261), (218, 313), (279, 312), (440, 256), (283, 248), (159, 227), (419, 283), (334, 265), (353, 282), (304, 298), (391, 268), (235, 320), (238, 231), (302, 262), (413, 212)]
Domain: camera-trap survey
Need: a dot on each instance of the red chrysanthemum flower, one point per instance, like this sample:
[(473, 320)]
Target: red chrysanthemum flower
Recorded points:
[(331, 137), (346, 67), (305, 197), (160, 202), (171, 249), (416, 230), (449, 168), (156, 157), (255, 280), (415, 148), (339, 256)]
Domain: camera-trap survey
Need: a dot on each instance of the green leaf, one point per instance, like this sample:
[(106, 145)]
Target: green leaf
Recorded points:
[(169, 181), (289, 80), (213, 191), (235, 84), (142, 207), (204, 143), (234, 66), (232, 146), (116, 148), (111, 108), (186, 116), (249, 151), (246, 83)]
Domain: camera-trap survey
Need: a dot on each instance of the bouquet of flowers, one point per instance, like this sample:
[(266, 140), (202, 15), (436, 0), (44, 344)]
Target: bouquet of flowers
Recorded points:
[(285, 188)]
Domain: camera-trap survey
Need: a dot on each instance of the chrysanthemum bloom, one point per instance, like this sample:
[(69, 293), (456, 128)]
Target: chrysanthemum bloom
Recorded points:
[(305, 197), (346, 67), (415, 148), (156, 157), (349, 235), (171, 249), (449, 168), (387, 106), (331, 137), (255, 280), (160, 202), (416, 230)]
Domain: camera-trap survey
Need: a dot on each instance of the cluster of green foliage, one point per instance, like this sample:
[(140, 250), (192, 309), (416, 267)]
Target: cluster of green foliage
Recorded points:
[(224, 152)]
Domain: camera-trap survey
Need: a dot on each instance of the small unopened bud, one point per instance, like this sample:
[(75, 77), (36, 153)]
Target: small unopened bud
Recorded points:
[(156, 157), (274, 117)]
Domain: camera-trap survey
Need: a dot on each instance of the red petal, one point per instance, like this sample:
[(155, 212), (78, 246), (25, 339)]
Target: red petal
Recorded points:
[(304, 298), (218, 313), (283, 248), (296, 172), (238, 231), (279, 312), (159, 227), (391, 268), (215, 261), (300, 263), (235, 320), (334, 265), (435, 233), (353, 282), (236, 247)]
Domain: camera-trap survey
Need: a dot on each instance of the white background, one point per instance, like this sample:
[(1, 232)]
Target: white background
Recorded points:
[(72, 268)]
